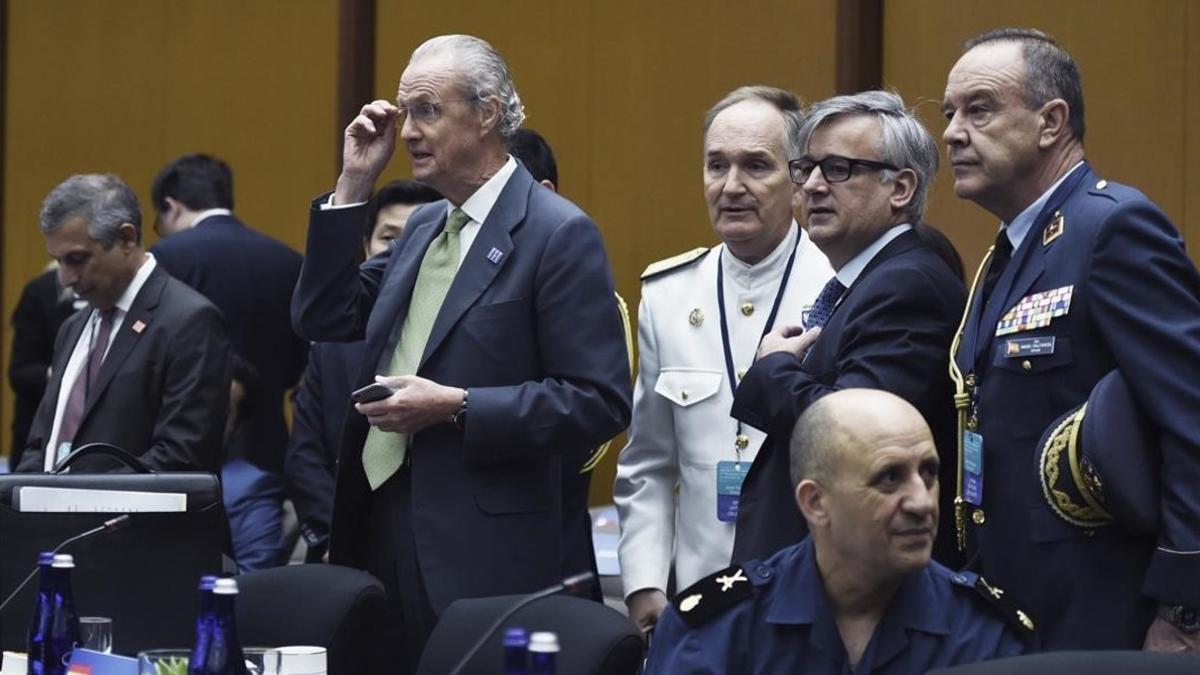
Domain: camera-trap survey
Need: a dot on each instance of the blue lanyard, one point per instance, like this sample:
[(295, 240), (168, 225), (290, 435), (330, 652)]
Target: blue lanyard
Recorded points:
[(741, 441)]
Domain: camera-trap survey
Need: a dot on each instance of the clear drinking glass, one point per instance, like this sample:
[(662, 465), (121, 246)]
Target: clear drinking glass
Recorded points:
[(163, 662), (96, 633)]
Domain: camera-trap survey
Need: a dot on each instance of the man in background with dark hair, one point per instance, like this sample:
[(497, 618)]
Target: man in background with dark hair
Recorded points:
[(247, 275), (388, 212), (535, 153), (1087, 278), (319, 406)]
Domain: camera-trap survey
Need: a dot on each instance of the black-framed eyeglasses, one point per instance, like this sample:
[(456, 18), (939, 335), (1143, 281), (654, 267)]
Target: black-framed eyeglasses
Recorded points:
[(834, 168)]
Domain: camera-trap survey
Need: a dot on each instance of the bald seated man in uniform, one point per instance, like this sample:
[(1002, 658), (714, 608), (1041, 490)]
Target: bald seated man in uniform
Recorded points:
[(860, 594)]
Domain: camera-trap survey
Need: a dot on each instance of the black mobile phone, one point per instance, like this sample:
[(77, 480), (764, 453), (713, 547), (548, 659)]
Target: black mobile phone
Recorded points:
[(371, 392)]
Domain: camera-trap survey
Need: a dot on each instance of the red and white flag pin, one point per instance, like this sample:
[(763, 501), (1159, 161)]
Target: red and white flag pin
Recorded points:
[(139, 326)]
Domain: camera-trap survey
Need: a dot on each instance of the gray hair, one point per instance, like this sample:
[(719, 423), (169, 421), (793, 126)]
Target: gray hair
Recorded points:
[(787, 103), (1050, 72), (906, 142), (103, 201), (485, 72)]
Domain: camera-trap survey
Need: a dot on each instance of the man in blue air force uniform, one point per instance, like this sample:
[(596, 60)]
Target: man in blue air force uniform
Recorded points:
[(1086, 276), (860, 594)]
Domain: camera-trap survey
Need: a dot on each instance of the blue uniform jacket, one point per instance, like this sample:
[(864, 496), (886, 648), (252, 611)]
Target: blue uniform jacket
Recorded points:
[(1133, 306), (937, 618)]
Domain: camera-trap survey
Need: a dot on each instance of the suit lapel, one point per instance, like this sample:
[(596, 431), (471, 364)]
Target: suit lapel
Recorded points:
[(141, 314), (482, 264)]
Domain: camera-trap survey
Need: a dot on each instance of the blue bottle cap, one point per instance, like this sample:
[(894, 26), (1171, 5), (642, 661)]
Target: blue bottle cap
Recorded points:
[(516, 637), (45, 558), (207, 582)]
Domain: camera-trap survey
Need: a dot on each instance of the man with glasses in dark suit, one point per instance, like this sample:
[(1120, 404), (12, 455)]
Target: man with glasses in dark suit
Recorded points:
[(883, 322)]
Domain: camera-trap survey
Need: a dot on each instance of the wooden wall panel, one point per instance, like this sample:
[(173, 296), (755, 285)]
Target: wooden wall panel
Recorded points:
[(126, 86), (619, 88), (1136, 91)]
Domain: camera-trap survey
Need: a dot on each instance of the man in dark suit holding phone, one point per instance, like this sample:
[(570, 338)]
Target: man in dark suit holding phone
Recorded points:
[(492, 319)]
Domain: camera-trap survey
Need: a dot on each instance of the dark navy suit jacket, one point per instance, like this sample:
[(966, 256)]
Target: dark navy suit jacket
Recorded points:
[(891, 331), (1135, 307), (318, 413), (249, 277), (529, 326)]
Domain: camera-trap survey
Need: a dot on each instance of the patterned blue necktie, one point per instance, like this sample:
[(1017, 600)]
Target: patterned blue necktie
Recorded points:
[(826, 301)]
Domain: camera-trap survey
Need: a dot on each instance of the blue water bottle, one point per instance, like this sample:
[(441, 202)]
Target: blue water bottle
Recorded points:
[(543, 653), (57, 624), (224, 655), (516, 652), (43, 611), (204, 620)]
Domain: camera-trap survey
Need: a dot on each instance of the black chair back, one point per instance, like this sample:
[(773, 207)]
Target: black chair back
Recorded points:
[(330, 606), (593, 639)]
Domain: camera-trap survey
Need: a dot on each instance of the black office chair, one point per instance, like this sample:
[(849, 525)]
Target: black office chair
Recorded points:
[(593, 639), (1091, 663), (335, 607)]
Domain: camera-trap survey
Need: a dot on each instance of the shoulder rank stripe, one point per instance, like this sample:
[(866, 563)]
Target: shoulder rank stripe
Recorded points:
[(998, 600), (674, 262), (712, 595)]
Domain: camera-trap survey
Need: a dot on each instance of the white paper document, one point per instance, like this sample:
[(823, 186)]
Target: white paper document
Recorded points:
[(77, 500)]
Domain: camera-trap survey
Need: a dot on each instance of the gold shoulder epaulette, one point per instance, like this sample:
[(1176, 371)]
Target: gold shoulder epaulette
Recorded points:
[(674, 262)]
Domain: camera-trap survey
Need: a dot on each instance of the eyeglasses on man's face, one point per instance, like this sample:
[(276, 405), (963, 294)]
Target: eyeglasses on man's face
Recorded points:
[(834, 168), (424, 112)]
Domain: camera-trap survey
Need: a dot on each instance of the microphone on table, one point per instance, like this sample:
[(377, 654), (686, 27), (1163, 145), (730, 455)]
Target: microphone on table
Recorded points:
[(110, 525), (571, 584)]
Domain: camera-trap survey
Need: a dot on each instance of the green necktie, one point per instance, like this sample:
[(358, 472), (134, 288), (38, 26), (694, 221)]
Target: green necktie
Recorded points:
[(383, 453)]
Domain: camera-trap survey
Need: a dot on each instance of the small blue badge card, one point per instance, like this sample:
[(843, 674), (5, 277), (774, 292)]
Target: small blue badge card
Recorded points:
[(730, 476), (972, 468)]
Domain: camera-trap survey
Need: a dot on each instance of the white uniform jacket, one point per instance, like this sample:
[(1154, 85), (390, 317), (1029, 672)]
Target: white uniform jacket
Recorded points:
[(666, 485)]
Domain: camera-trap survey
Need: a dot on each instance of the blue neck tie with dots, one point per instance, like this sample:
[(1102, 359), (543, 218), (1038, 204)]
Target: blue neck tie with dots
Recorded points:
[(826, 301)]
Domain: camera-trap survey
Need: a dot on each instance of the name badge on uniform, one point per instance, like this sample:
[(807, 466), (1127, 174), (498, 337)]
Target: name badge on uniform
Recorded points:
[(972, 468), (1036, 310), (1034, 346), (730, 476)]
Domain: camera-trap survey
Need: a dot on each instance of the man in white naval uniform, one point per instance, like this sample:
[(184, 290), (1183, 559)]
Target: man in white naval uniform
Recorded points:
[(691, 345)]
